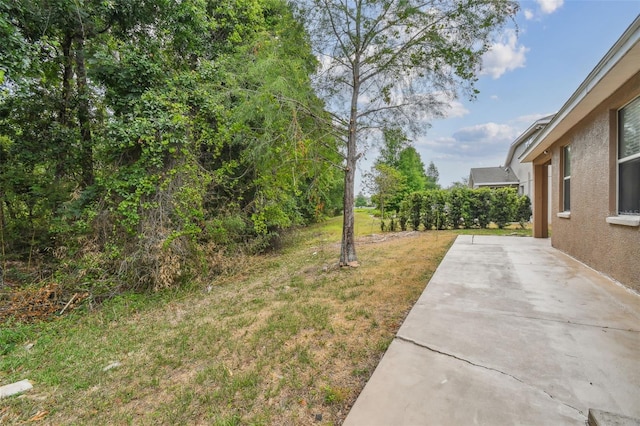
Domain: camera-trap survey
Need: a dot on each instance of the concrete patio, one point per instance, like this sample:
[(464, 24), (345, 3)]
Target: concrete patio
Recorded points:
[(509, 331)]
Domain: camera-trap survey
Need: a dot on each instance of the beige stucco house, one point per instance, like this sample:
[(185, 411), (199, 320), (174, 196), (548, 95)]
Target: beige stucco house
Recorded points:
[(514, 173), (593, 148), (524, 171)]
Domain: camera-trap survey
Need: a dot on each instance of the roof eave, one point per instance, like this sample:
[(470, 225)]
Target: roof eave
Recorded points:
[(525, 135), (496, 183), (617, 67)]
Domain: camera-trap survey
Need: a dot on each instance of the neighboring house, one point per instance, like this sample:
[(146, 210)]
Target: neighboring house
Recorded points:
[(514, 173), (593, 148), (524, 171), (492, 177)]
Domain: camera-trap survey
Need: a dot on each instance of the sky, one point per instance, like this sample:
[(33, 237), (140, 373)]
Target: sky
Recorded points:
[(527, 74)]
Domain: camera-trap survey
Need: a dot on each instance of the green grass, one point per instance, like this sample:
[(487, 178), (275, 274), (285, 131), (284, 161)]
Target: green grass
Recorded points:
[(288, 337)]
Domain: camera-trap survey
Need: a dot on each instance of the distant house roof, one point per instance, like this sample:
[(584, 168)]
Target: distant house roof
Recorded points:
[(528, 136), (492, 176), (617, 66)]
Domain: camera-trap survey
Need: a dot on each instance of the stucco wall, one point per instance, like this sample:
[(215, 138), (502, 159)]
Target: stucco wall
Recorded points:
[(611, 249), (524, 171)]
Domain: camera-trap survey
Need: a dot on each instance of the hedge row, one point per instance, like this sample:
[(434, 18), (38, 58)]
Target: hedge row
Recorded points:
[(461, 208)]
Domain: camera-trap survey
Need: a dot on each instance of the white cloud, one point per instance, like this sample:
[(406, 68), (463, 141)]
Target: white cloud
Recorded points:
[(455, 109), (487, 133), (546, 7), (549, 6), (505, 55), (494, 97), (479, 141)]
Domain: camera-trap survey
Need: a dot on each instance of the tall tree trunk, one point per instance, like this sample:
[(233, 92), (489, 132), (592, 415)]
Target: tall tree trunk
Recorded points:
[(62, 154), (84, 117), (2, 226), (348, 247)]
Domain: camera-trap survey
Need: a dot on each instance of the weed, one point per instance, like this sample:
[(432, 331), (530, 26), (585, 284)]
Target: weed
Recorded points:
[(255, 348), (332, 395)]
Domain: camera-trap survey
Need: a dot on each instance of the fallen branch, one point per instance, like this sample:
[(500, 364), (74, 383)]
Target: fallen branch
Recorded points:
[(68, 303)]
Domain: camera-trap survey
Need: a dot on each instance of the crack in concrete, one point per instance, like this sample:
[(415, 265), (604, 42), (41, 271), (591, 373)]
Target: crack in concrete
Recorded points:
[(603, 327), (422, 345)]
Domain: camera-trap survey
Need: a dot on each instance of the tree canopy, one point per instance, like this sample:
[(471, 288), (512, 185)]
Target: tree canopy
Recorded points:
[(138, 137)]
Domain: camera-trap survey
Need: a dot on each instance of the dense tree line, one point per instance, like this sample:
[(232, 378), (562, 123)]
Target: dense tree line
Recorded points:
[(138, 137)]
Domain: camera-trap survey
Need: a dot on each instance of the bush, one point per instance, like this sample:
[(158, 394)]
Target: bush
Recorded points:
[(481, 201), (403, 214), (503, 208), (460, 207), (464, 207), (523, 210)]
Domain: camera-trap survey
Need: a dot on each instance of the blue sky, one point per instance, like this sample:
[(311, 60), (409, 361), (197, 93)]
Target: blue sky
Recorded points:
[(525, 76)]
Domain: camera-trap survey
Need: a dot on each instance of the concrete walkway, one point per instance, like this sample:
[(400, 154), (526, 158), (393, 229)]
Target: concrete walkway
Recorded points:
[(509, 331)]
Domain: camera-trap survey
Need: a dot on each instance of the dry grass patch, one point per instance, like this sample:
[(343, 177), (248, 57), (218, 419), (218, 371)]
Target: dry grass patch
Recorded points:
[(290, 341)]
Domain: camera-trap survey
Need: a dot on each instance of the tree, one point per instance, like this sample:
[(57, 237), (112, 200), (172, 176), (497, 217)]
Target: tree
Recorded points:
[(462, 183), (398, 153), (386, 183), (433, 175), (395, 141), (392, 62), (144, 132), (411, 166), (361, 200)]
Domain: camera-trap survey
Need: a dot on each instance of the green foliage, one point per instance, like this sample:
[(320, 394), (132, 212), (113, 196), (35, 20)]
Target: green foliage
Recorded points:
[(427, 211), (464, 207), (523, 210), (481, 201), (388, 185), (411, 167), (395, 141), (361, 200), (432, 177), (404, 214), (367, 54), (415, 207), (503, 208), (139, 136), (460, 207), (397, 158)]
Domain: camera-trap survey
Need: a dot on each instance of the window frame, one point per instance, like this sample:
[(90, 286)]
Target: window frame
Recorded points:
[(566, 178), (621, 161)]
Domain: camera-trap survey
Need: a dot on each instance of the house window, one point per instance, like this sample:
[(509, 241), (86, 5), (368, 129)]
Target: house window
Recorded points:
[(629, 159), (566, 178)]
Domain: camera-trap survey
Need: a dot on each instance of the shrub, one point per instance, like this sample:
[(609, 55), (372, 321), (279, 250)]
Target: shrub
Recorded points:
[(523, 210), (403, 214), (460, 207), (415, 207), (427, 210), (504, 206), (466, 207), (441, 209), (481, 201)]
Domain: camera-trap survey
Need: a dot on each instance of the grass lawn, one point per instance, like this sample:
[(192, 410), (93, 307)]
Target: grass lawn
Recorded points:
[(290, 339)]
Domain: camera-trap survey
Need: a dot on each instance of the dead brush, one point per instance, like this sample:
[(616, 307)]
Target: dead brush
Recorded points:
[(35, 304)]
